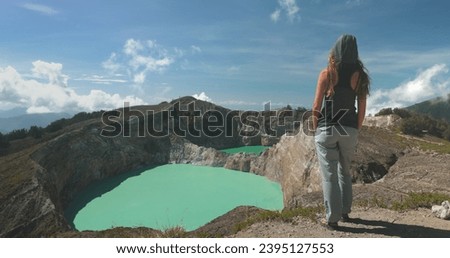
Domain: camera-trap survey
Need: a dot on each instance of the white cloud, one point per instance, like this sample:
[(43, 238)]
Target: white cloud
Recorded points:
[(275, 16), (196, 49), (50, 71), (42, 9), (394, 61), (111, 64), (233, 69), (99, 79), (140, 58), (289, 8), (51, 93), (132, 47), (238, 103), (178, 52), (430, 83), (139, 78), (202, 96)]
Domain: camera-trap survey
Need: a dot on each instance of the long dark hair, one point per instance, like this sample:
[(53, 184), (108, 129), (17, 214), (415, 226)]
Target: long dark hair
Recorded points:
[(334, 64)]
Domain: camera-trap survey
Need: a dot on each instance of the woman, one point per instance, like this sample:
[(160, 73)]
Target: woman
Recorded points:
[(337, 121)]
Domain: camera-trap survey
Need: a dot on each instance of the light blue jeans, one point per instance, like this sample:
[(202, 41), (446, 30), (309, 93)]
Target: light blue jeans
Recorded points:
[(335, 149)]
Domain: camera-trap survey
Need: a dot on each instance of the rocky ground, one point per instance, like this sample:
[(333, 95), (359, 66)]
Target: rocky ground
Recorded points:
[(416, 171), (367, 223)]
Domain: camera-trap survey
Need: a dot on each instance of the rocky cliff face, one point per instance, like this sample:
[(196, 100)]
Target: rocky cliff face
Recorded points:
[(293, 163), (73, 160), (26, 208), (62, 167)]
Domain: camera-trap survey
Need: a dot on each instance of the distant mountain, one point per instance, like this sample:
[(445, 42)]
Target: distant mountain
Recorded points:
[(438, 108), (13, 112), (25, 121)]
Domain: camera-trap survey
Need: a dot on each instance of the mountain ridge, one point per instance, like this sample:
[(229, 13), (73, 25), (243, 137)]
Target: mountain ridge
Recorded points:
[(8, 124), (438, 108)]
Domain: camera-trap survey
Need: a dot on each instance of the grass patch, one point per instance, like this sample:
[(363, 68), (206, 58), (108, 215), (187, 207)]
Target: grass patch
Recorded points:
[(436, 145), (441, 146), (426, 143), (375, 201), (395, 137), (410, 202), (389, 136), (419, 200), (173, 232), (286, 215)]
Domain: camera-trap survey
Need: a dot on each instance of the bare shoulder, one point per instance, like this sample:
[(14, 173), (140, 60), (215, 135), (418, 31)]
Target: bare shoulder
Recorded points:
[(324, 74), (355, 79), (355, 75)]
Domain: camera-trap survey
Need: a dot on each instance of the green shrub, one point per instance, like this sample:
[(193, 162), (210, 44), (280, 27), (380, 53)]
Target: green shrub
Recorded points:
[(419, 125), (17, 134), (56, 125), (4, 142), (173, 232), (384, 112), (420, 200), (36, 132), (403, 113), (412, 126), (286, 215)]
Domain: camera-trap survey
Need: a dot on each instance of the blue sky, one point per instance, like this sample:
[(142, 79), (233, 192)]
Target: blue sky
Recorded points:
[(72, 56)]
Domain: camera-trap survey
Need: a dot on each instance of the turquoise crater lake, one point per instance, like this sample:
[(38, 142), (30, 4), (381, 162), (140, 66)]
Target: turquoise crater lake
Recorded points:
[(171, 195), (256, 149)]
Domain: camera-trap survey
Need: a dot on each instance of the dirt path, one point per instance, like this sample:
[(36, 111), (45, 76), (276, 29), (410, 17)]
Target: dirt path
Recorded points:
[(368, 223)]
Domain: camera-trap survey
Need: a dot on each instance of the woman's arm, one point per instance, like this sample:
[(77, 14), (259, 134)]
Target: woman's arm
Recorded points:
[(320, 91), (362, 102)]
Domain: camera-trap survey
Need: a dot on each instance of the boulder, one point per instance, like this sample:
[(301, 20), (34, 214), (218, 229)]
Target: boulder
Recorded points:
[(442, 211), (267, 140), (382, 121), (293, 163)]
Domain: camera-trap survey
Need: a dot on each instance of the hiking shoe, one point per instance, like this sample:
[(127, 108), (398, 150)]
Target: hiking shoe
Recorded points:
[(329, 225), (332, 226), (346, 218)]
